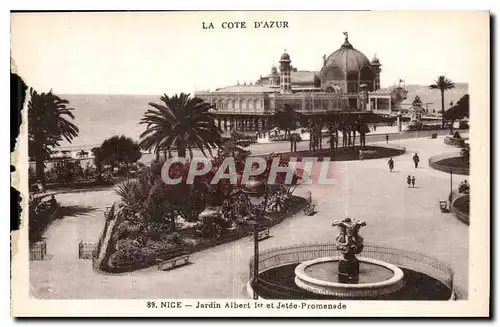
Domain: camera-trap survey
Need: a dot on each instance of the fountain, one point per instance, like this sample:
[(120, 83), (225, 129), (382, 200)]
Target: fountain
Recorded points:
[(347, 269), (348, 276)]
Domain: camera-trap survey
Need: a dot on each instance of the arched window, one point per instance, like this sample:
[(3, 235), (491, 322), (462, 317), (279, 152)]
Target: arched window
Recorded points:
[(233, 104), (240, 105)]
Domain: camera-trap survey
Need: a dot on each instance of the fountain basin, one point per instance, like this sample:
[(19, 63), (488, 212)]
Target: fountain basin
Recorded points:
[(376, 278)]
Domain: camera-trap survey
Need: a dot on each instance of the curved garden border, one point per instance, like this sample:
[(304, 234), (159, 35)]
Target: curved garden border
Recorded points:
[(383, 151), (461, 215), (434, 163)]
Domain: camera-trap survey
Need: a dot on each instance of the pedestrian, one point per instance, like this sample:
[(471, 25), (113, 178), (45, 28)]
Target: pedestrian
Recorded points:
[(391, 164), (408, 180), (416, 160), (387, 138), (413, 181)]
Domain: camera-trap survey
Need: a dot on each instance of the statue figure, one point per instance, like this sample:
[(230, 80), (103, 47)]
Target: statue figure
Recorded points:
[(350, 243), (346, 37)]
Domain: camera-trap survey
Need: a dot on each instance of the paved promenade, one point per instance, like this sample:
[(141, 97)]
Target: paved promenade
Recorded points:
[(396, 216)]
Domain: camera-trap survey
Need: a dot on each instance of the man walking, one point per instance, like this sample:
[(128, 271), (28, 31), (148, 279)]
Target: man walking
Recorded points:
[(391, 164), (408, 180), (416, 160), (413, 181), (387, 138)]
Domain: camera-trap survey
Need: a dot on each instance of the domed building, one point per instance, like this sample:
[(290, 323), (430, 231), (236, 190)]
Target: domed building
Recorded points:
[(348, 82), (347, 69)]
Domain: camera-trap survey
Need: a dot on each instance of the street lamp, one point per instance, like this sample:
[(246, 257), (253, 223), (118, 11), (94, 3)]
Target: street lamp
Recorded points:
[(255, 190), (364, 93)]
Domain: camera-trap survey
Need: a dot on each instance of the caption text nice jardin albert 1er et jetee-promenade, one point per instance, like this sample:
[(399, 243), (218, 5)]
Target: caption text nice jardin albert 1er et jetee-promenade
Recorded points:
[(245, 305)]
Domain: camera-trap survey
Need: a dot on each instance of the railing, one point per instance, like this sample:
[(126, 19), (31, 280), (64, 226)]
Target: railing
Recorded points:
[(295, 254), (38, 251), (86, 250)]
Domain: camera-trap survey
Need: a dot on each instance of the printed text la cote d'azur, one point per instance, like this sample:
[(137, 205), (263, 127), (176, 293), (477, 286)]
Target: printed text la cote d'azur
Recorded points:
[(230, 25)]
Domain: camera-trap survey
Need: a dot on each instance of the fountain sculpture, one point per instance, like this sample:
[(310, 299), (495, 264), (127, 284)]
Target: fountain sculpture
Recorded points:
[(348, 276), (349, 243)]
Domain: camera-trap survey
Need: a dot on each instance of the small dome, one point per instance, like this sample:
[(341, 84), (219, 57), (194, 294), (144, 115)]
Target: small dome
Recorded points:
[(375, 60), (285, 57), (274, 69)]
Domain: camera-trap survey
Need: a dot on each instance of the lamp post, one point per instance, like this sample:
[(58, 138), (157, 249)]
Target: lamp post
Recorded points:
[(255, 190), (364, 95)]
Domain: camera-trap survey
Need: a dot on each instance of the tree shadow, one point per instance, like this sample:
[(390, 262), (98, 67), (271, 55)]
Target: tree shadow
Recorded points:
[(72, 211)]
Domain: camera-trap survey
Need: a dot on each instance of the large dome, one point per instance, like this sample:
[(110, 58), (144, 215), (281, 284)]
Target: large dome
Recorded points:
[(346, 68), (347, 59)]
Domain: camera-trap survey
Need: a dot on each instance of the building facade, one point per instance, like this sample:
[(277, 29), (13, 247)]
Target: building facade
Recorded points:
[(348, 82)]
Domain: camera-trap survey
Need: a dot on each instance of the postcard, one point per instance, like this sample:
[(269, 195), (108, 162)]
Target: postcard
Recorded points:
[(252, 164)]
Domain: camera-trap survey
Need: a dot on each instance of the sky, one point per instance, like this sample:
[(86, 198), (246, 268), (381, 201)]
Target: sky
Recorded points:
[(170, 52)]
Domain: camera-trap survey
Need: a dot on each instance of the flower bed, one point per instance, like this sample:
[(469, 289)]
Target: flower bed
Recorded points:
[(156, 221), (125, 256), (375, 152)]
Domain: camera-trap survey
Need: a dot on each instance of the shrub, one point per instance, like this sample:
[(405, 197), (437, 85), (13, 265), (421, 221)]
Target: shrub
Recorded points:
[(128, 255), (136, 252)]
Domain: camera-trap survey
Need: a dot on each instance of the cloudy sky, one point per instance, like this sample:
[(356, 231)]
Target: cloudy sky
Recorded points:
[(155, 53)]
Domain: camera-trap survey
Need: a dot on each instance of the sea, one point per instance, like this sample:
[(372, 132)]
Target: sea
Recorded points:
[(100, 116)]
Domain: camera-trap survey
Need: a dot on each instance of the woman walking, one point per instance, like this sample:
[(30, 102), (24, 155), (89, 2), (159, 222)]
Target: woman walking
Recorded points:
[(391, 164)]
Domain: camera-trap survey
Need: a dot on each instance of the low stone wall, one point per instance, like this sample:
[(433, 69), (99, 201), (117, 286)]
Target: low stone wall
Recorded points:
[(101, 255), (460, 214), (434, 162)]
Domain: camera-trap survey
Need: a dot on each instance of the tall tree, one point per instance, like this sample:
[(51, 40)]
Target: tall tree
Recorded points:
[(180, 122), (442, 84), (49, 122), (118, 150)]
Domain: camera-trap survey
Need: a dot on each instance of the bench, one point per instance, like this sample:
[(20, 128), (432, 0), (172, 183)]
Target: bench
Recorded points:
[(262, 234), (309, 210), (443, 205), (174, 262)]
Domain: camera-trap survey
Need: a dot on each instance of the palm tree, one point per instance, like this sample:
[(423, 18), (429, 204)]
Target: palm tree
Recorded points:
[(442, 84), (181, 122), (48, 124)]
